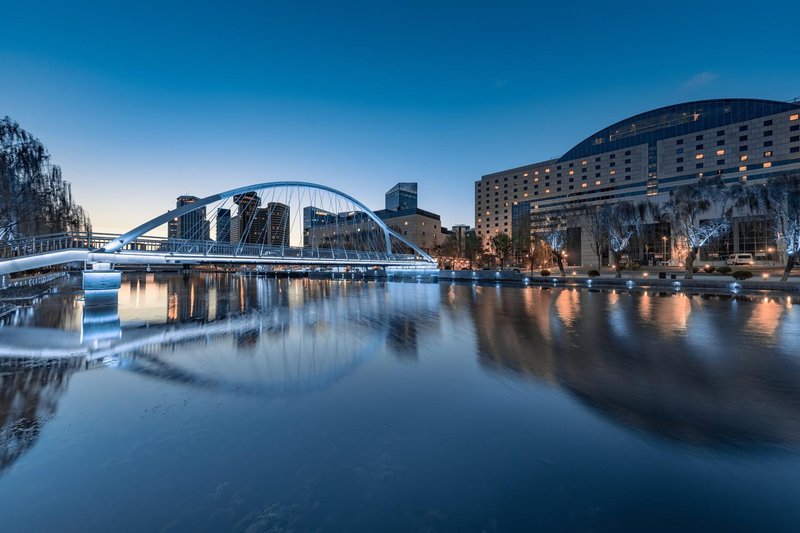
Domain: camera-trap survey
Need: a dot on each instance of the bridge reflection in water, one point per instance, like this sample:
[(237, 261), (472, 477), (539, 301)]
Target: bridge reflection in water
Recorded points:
[(688, 369)]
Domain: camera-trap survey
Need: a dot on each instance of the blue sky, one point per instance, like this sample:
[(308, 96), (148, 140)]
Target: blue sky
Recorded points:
[(141, 102)]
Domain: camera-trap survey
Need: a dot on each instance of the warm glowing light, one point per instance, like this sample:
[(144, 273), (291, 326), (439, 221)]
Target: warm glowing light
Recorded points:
[(571, 172), (767, 164), (793, 117), (768, 153), (765, 275), (743, 157), (720, 152), (644, 274), (583, 185), (597, 182), (699, 156), (742, 168)]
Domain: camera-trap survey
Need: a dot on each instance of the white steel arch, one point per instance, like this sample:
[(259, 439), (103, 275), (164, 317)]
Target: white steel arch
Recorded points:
[(120, 242)]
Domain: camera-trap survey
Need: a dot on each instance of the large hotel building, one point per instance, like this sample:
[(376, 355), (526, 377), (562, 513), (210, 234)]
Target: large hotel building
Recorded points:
[(644, 157)]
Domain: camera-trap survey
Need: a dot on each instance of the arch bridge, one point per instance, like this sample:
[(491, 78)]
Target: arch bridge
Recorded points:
[(274, 223)]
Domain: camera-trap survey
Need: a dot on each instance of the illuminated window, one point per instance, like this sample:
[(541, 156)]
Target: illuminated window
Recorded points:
[(768, 153), (535, 179), (525, 175), (767, 164), (742, 169), (479, 220), (583, 185), (405, 223), (743, 158), (613, 172), (547, 170), (488, 213), (525, 195), (496, 186), (583, 162), (597, 182), (699, 156), (720, 152), (571, 172), (536, 173), (794, 117)]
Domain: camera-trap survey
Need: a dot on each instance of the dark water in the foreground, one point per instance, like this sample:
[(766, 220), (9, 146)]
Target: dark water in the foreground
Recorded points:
[(261, 405)]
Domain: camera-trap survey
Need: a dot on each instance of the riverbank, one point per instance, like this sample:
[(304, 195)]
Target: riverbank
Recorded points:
[(21, 290), (712, 283)]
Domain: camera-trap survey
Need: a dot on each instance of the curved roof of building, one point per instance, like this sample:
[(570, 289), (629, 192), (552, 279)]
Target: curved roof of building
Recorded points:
[(675, 120)]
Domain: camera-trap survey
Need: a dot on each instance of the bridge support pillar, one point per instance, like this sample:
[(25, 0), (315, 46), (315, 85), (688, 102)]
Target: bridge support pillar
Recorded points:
[(3, 281), (100, 304), (101, 277)]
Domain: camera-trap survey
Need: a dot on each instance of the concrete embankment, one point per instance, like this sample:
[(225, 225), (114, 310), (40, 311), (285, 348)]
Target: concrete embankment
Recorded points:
[(699, 284)]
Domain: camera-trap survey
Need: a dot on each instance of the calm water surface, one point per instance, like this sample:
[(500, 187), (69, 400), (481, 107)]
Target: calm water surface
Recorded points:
[(210, 402)]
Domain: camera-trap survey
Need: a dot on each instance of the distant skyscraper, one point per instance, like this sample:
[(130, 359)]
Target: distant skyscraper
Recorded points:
[(402, 196), (314, 217), (248, 204), (193, 225), (223, 225)]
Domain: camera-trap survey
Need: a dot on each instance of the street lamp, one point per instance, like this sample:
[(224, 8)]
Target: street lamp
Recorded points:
[(664, 252)]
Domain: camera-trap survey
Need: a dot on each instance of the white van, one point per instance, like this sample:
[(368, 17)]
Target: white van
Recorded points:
[(740, 259)]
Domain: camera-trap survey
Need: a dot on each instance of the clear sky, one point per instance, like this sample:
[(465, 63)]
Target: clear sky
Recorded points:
[(140, 102)]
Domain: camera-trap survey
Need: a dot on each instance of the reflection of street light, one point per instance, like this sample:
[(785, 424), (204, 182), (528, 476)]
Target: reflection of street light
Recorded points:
[(664, 253)]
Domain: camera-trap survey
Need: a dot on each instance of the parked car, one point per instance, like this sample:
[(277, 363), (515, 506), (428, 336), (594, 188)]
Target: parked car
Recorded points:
[(740, 259)]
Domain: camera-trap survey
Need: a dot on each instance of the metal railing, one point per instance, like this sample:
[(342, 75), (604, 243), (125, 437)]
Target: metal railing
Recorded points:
[(96, 241)]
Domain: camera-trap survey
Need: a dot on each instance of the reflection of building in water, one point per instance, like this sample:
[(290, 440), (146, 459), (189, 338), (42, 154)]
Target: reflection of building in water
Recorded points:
[(187, 298), (402, 336), (657, 380), (28, 399)]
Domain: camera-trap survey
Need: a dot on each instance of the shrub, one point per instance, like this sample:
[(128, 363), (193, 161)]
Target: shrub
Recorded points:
[(545, 272), (633, 266), (741, 274), (708, 269), (695, 269), (724, 270), (593, 273)]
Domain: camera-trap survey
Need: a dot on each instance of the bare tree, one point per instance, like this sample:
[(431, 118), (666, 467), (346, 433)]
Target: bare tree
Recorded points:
[(624, 221), (34, 198), (779, 201), (551, 226), (593, 220), (689, 204)]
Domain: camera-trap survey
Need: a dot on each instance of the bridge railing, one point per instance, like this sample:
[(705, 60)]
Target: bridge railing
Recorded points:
[(94, 241)]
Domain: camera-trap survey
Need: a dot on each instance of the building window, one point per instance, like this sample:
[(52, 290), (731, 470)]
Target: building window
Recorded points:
[(794, 117), (742, 128), (627, 152), (698, 138), (742, 138), (699, 165), (699, 156), (794, 138), (597, 182), (679, 169), (679, 151), (767, 164), (679, 141), (794, 149), (743, 148), (720, 133), (768, 153), (721, 142), (698, 147), (720, 152), (768, 122), (679, 160), (743, 157), (768, 133), (796, 127), (743, 169), (720, 161), (767, 144)]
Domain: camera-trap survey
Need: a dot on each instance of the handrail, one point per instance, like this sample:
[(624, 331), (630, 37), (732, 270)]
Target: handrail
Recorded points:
[(93, 241)]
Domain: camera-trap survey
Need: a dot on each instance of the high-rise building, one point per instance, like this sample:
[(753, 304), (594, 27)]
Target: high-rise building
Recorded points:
[(314, 217), (645, 157), (402, 196), (270, 225), (223, 225), (248, 204), (192, 225)]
